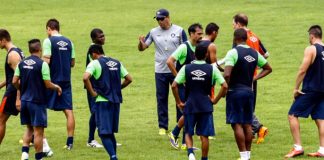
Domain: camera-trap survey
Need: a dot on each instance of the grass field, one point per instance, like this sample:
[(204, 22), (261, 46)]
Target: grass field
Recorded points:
[(282, 26)]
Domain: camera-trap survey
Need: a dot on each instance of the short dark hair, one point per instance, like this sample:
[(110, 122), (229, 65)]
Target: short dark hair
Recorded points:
[(211, 27), (53, 24), (95, 32), (192, 28), (95, 48), (241, 18), (201, 50), (315, 30), (34, 45), (240, 35), (4, 34)]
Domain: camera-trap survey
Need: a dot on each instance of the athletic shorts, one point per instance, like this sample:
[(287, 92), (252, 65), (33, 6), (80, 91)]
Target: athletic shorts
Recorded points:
[(239, 106), (8, 104), (63, 102), (310, 103), (33, 114), (107, 117), (203, 122)]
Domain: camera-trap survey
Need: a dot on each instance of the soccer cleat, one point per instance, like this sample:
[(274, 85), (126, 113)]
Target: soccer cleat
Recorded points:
[(68, 147), (94, 144), (261, 134), (24, 156), (315, 154), (118, 144), (47, 152), (173, 141), (162, 131), (294, 153), (191, 156), (184, 147)]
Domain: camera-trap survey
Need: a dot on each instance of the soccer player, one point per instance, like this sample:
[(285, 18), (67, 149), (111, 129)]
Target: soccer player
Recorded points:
[(240, 64), (199, 78), (98, 38), (241, 21), (106, 89), (58, 52), (166, 37), (32, 77), (10, 98), (184, 54), (310, 99)]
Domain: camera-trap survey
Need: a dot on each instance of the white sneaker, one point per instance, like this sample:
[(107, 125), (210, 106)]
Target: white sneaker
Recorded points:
[(24, 156), (192, 156), (47, 152), (94, 144), (118, 144)]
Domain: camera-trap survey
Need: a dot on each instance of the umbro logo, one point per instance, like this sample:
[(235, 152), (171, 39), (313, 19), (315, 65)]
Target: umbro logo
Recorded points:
[(253, 39), (111, 65), (29, 62), (198, 75), (62, 45), (249, 58), (323, 55)]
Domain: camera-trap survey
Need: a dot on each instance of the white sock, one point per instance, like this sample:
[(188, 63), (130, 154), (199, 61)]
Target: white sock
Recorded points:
[(321, 150), (249, 154), (298, 147), (244, 155), (46, 147)]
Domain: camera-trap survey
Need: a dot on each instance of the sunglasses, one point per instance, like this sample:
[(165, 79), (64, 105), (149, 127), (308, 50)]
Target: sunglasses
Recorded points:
[(160, 18)]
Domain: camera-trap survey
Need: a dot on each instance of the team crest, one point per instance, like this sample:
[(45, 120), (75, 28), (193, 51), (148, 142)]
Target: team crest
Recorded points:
[(173, 35), (249, 58), (198, 75)]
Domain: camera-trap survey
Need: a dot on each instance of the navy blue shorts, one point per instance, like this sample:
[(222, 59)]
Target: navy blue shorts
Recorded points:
[(107, 117), (239, 106), (310, 103), (33, 114), (203, 122), (63, 102), (8, 103)]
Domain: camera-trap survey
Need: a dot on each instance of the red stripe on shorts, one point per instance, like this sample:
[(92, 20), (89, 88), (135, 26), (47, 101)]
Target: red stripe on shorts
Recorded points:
[(3, 104)]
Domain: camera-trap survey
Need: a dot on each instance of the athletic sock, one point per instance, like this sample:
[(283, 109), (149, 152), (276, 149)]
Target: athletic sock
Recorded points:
[(298, 147), (113, 140), (204, 158), (190, 150), (109, 146), (39, 155), (321, 150), (92, 127), (69, 141), (25, 149), (249, 154), (45, 144), (176, 131), (244, 155)]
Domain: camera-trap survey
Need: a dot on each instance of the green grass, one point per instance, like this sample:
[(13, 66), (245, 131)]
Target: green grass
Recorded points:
[(282, 26)]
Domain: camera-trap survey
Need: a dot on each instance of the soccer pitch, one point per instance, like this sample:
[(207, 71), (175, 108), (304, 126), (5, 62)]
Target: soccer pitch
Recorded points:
[(281, 25)]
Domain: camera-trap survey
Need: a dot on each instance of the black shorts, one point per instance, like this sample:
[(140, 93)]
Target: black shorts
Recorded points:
[(8, 104)]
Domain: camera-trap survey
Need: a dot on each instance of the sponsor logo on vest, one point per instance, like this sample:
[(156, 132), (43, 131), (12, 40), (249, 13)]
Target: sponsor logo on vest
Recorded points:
[(111, 65), (249, 58), (198, 73), (29, 62), (172, 35), (62, 45)]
